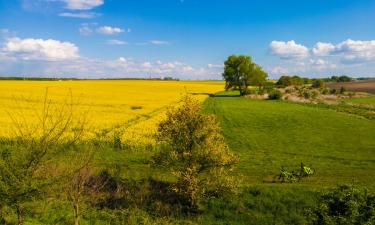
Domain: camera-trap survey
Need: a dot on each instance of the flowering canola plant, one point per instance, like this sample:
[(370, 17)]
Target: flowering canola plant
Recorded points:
[(132, 108)]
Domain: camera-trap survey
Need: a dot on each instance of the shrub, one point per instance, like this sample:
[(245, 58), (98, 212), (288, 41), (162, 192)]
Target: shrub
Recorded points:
[(314, 94), (275, 95), (324, 91), (318, 83), (306, 94), (345, 205), (342, 90), (196, 152)]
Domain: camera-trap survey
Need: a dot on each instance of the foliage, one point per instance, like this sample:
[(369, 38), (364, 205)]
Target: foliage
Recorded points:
[(342, 78), (318, 83), (241, 72), (295, 175), (275, 95), (24, 163), (345, 205), (196, 152), (285, 81)]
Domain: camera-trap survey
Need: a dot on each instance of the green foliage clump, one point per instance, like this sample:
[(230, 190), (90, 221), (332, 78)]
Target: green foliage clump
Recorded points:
[(240, 72), (295, 175), (318, 83), (275, 95), (196, 152), (345, 205), (342, 78), (285, 81)]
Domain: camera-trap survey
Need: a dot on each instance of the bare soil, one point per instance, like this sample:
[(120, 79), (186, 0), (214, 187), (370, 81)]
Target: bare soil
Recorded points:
[(358, 86)]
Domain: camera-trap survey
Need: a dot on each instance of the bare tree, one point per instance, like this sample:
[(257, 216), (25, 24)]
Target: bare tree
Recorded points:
[(24, 163)]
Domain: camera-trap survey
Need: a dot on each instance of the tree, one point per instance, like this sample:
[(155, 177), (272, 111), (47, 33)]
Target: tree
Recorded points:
[(240, 72), (344, 78), (196, 152), (318, 83), (24, 162)]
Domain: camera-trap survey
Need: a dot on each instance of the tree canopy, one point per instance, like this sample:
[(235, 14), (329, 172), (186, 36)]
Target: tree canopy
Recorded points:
[(240, 72)]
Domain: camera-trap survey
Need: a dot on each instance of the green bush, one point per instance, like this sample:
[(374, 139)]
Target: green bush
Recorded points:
[(345, 205), (342, 90), (318, 83), (306, 94), (275, 95), (324, 91)]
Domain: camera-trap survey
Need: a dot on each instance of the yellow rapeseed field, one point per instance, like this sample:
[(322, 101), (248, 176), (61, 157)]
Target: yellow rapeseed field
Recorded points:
[(132, 108)]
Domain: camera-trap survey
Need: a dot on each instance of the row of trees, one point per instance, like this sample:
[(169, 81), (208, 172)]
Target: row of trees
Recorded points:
[(240, 72)]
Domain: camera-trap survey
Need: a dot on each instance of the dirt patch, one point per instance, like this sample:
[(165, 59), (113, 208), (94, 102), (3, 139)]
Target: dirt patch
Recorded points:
[(358, 86)]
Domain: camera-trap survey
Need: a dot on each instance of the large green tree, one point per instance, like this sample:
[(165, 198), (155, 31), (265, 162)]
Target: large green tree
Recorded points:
[(240, 72)]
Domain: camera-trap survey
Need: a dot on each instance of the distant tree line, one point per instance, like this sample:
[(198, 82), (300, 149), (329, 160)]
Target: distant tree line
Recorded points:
[(285, 81)]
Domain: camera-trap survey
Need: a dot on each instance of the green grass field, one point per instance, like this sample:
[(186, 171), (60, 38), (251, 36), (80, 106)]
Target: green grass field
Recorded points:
[(271, 134), (362, 101)]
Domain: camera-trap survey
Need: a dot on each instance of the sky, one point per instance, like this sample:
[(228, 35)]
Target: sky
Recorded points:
[(186, 39)]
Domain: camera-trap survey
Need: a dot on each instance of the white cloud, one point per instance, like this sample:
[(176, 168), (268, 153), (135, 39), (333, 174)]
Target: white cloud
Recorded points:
[(288, 50), (85, 30), (349, 51), (109, 30), (98, 68), (159, 42), (323, 49), (356, 51), (278, 70), (39, 49), (215, 66), (320, 64), (81, 15), (116, 42), (82, 4)]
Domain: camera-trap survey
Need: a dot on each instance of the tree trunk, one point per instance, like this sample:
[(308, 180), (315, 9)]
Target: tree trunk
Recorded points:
[(20, 215), (76, 214)]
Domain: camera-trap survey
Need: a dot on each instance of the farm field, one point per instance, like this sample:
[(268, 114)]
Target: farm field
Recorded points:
[(266, 135), (270, 134), (359, 86), (134, 105)]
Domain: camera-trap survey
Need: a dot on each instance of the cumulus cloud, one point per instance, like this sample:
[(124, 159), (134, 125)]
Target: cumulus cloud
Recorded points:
[(350, 51), (40, 49), (81, 15), (49, 58), (356, 51), (82, 4), (109, 30), (321, 64), (323, 49), (288, 50)]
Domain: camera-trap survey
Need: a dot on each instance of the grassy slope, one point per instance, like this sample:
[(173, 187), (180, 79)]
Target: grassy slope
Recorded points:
[(363, 101), (271, 134)]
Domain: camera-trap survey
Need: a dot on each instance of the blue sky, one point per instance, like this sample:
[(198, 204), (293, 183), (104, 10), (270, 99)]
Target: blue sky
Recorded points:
[(188, 39)]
